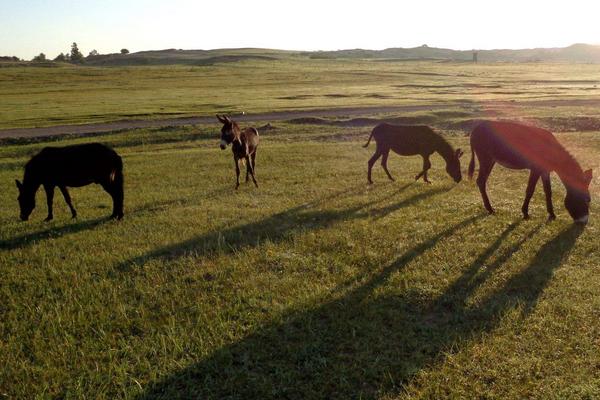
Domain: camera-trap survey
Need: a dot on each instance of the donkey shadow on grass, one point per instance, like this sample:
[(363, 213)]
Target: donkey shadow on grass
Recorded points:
[(28, 239), (363, 344), (283, 225)]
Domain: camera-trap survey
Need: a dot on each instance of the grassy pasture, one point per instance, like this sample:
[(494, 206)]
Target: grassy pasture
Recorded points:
[(315, 285), (312, 286), (31, 96)]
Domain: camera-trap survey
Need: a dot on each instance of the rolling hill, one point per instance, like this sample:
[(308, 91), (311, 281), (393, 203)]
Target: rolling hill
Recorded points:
[(577, 53)]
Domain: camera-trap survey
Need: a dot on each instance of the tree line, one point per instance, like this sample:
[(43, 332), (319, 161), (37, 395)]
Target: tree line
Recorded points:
[(74, 56)]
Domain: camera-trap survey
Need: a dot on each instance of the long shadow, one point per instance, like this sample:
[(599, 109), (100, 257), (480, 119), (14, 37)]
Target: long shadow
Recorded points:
[(526, 287), (28, 239), (277, 227), (362, 344)]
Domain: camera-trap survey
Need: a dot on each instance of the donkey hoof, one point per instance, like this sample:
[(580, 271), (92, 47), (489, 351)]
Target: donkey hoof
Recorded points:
[(551, 217), (49, 218), (525, 216)]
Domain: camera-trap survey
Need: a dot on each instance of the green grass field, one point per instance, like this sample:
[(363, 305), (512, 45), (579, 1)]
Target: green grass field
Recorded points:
[(315, 285), (74, 95)]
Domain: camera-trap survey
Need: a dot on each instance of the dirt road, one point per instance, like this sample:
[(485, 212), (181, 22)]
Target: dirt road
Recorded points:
[(155, 123), (266, 117)]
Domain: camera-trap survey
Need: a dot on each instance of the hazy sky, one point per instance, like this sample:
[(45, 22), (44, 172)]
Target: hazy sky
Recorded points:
[(28, 27)]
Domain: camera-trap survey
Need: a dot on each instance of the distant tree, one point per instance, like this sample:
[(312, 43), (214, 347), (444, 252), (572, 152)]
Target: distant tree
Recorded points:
[(124, 51), (93, 53), (40, 58), (76, 56), (61, 58), (9, 58)]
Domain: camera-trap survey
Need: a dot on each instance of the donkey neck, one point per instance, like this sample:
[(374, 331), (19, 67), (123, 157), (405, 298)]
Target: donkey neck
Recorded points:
[(443, 148), (568, 170), (237, 134), (32, 178)]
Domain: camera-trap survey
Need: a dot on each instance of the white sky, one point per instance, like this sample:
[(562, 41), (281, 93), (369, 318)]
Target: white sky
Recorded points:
[(28, 27)]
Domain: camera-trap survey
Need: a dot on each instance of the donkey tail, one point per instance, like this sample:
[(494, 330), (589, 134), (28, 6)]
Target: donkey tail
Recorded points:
[(472, 163), (369, 141)]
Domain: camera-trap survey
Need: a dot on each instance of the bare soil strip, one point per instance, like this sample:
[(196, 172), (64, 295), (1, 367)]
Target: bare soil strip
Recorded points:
[(157, 123), (270, 116)]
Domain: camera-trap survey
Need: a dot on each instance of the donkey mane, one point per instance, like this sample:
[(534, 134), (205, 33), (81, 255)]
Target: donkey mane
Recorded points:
[(564, 163), (442, 146), (31, 166), (568, 160)]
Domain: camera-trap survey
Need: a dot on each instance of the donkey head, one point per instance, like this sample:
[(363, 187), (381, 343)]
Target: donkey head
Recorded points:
[(229, 131), (26, 200), (453, 165), (577, 201)]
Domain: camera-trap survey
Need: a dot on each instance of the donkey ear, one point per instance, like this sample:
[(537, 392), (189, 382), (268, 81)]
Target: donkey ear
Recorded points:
[(588, 176), (220, 119), (19, 184), (227, 119)]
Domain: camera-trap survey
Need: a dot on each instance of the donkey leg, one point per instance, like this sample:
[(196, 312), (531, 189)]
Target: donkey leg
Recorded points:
[(49, 199), (117, 197), (485, 168), (251, 169), (237, 173), (384, 159), (548, 192), (65, 193), (253, 158), (370, 164), (426, 166), (247, 171), (116, 194), (533, 179)]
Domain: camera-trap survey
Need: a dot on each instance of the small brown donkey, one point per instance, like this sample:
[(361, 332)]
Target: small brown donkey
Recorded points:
[(409, 140), (243, 145), (71, 166), (518, 146)]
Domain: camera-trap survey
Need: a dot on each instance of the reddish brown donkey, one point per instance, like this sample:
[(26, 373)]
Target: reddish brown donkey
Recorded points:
[(518, 146)]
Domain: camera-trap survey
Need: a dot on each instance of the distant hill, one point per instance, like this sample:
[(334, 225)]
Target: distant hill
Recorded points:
[(580, 53), (186, 57), (577, 53)]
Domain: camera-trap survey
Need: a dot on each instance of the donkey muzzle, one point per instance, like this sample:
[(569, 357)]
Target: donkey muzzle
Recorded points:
[(223, 144)]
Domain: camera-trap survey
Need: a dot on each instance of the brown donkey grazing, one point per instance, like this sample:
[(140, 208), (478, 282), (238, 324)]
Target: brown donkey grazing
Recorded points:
[(71, 166), (243, 145), (518, 146), (409, 140)]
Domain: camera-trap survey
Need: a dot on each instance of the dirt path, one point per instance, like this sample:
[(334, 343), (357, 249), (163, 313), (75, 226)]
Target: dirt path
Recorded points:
[(270, 116)]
